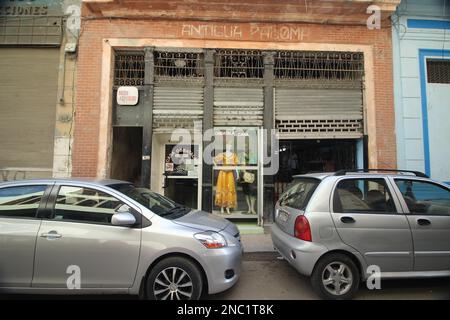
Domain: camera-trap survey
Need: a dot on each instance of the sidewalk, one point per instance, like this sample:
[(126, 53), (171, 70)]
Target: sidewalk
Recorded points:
[(258, 242)]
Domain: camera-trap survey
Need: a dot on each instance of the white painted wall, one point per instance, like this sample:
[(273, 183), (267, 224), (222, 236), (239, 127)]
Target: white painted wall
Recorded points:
[(439, 116), (407, 94)]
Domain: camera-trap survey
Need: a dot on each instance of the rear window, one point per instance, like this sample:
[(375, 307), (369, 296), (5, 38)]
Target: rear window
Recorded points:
[(298, 194)]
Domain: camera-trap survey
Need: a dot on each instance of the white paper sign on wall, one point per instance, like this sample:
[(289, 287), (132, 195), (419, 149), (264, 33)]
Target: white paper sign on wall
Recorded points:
[(127, 96)]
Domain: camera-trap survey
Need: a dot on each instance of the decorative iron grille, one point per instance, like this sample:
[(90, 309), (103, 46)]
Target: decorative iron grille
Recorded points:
[(307, 65), (129, 69), (238, 64), (179, 64), (438, 71), (321, 127)]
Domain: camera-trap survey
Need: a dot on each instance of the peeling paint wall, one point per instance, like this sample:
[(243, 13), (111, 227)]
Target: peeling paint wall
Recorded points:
[(66, 104)]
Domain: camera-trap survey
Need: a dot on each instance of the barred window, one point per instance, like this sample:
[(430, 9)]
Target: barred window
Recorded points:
[(438, 71), (179, 64), (129, 68), (308, 65), (231, 63)]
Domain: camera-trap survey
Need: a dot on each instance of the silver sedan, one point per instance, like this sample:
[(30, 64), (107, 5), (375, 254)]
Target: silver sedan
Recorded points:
[(108, 237)]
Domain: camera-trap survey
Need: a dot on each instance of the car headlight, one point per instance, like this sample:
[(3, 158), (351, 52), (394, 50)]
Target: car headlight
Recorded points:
[(211, 239)]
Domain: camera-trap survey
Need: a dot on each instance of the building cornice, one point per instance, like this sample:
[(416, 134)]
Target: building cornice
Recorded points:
[(353, 12)]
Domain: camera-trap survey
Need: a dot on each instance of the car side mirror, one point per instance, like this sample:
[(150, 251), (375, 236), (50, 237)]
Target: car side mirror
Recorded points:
[(123, 217)]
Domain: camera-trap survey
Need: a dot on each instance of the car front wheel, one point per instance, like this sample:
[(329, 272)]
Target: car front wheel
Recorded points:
[(335, 277), (174, 278)]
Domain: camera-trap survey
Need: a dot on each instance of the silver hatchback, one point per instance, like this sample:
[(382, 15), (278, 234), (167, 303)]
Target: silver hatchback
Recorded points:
[(110, 237), (347, 227)]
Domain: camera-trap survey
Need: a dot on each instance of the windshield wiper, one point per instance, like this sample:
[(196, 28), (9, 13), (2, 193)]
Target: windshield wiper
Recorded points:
[(177, 209)]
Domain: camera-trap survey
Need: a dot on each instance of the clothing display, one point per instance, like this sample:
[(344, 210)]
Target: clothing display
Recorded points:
[(226, 186), (249, 189)]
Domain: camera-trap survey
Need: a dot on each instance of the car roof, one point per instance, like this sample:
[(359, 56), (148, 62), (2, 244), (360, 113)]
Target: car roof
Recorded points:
[(92, 181), (323, 175), (316, 175)]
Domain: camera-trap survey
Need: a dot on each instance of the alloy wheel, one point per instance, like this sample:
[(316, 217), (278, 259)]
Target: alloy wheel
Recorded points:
[(173, 283), (337, 278)]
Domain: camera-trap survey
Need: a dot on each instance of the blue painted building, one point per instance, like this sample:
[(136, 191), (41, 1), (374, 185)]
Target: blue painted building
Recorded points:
[(421, 44)]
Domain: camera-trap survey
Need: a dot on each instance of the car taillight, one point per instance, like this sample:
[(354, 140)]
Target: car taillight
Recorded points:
[(302, 229)]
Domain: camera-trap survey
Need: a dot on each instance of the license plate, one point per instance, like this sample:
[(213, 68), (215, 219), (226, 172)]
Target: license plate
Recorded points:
[(283, 216)]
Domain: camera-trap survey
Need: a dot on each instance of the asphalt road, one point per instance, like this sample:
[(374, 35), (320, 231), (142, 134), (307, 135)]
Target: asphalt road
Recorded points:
[(266, 277)]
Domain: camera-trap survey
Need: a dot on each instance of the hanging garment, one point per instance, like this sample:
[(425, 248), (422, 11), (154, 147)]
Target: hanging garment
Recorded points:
[(226, 186)]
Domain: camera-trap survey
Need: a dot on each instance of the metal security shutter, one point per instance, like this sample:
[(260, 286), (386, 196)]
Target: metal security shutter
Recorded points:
[(28, 93), (177, 107), (238, 106), (319, 113)]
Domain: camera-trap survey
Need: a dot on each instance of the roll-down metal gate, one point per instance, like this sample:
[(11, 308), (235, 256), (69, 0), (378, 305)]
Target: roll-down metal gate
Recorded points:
[(319, 94), (319, 113), (238, 106), (177, 107)]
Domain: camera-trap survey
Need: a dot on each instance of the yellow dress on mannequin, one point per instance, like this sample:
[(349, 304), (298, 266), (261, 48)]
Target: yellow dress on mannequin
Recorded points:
[(226, 187)]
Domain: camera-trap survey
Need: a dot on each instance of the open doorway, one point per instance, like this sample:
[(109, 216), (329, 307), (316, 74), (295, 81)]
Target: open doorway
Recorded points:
[(306, 156), (127, 154)]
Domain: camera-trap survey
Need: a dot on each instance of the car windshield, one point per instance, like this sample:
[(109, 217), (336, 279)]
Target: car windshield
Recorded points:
[(157, 203), (299, 192)]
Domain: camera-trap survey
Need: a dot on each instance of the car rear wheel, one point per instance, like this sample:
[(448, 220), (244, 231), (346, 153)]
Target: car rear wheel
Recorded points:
[(335, 277), (174, 278)]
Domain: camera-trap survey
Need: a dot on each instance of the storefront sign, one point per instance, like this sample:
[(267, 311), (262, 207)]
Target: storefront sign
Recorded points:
[(240, 32), (30, 7), (127, 96), (31, 22)]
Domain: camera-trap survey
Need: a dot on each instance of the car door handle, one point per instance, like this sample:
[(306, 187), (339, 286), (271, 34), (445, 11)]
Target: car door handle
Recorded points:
[(347, 220), (51, 235), (423, 222)]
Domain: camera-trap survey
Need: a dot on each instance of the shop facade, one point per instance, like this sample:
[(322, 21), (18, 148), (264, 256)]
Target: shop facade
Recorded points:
[(422, 86), (226, 83), (37, 87)]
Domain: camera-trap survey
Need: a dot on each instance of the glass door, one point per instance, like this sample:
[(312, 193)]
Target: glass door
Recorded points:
[(236, 180), (182, 167)]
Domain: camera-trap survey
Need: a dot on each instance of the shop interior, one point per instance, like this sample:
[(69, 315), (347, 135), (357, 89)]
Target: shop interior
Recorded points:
[(307, 156)]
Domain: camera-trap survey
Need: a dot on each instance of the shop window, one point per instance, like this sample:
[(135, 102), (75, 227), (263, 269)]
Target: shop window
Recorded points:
[(245, 64), (176, 64), (306, 65), (235, 172), (438, 71), (129, 69)]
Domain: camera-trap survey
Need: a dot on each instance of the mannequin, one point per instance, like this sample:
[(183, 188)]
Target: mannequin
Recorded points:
[(250, 199), (249, 189), (226, 197)]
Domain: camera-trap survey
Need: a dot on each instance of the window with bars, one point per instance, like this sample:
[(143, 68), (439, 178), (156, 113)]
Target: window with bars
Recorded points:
[(308, 65), (179, 64), (231, 63), (129, 68), (438, 71), (248, 64)]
